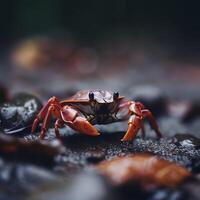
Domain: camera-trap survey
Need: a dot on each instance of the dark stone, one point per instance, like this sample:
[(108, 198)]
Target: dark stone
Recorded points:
[(17, 116), (187, 140)]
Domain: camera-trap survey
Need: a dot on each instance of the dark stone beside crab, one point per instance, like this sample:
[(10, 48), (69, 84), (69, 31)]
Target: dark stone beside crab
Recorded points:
[(17, 116)]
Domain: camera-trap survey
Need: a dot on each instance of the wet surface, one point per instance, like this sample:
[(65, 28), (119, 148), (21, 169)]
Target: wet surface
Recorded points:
[(63, 163)]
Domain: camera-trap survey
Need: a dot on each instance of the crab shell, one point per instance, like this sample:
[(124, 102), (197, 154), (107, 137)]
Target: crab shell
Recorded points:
[(100, 96), (98, 104)]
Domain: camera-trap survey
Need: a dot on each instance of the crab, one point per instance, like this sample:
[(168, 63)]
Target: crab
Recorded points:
[(87, 108)]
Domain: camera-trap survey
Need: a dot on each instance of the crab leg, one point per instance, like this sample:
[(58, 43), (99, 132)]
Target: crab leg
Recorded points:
[(46, 123), (146, 113), (58, 124), (77, 121), (43, 112), (135, 122), (134, 125), (52, 110)]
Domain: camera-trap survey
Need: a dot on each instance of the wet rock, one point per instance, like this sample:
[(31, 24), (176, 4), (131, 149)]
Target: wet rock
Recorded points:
[(149, 170), (151, 97), (37, 152), (17, 115), (187, 140)]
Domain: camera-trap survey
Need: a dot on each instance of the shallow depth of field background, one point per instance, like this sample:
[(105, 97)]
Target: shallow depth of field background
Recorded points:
[(117, 44)]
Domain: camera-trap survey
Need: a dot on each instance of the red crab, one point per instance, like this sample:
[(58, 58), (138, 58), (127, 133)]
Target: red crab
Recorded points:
[(86, 108)]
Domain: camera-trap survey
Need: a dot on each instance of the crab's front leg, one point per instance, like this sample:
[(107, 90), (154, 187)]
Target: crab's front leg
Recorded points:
[(76, 120), (137, 114)]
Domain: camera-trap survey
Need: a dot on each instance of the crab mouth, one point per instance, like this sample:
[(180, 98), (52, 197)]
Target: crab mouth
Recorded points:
[(102, 119), (102, 108)]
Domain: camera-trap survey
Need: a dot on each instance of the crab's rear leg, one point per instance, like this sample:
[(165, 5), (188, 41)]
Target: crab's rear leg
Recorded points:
[(74, 119), (58, 124), (147, 114), (46, 122), (138, 113), (43, 112)]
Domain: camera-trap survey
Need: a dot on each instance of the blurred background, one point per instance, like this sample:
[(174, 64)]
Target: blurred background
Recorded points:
[(49, 47)]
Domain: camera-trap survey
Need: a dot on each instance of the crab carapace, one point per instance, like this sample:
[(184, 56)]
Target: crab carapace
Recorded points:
[(87, 108)]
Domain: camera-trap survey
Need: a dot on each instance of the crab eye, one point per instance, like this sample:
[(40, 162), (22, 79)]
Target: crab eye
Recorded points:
[(91, 96), (116, 95)]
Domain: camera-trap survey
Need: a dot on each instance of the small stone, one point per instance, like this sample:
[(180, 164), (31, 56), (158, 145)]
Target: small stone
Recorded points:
[(187, 140)]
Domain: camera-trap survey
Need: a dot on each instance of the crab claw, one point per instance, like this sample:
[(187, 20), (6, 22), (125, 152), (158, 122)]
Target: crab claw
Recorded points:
[(78, 122), (134, 125), (83, 126)]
